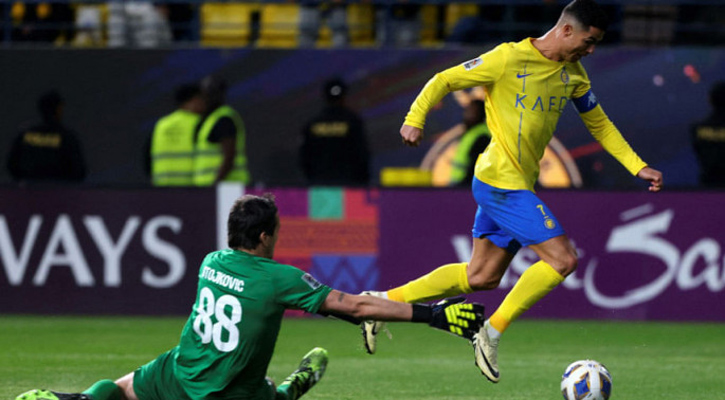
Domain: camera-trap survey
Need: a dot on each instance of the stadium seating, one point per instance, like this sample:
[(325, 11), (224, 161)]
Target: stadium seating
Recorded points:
[(429, 25), (279, 25), (89, 23), (438, 22), (227, 24), (274, 23), (361, 24), (456, 11)]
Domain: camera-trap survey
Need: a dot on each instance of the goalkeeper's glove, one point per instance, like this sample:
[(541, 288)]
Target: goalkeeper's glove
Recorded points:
[(452, 315)]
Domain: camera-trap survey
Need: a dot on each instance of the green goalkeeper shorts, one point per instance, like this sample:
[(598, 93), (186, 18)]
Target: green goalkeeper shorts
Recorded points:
[(156, 380)]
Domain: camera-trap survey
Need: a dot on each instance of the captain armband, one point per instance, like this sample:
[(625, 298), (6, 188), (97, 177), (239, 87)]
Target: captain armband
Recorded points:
[(586, 102)]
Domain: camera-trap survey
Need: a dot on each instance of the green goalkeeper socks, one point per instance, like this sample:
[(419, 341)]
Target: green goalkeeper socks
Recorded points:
[(104, 390)]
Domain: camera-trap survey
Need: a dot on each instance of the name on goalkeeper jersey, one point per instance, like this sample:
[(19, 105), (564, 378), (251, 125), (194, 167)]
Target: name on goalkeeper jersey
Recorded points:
[(222, 279)]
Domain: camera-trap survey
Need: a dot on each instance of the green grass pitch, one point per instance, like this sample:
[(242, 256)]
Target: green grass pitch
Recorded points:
[(647, 360)]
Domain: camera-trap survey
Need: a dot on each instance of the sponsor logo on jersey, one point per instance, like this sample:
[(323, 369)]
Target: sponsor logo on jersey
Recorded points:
[(523, 78), (314, 284), (549, 223), (538, 103), (471, 64), (564, 76)]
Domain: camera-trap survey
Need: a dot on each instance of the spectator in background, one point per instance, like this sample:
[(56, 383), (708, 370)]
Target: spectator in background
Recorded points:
[(138, 24), (312, 12), (47, 151), (708, 140), (172, 144), (334, 148), (89, 25), (486, 25), (398, 24), (473, 142), (220, 144)]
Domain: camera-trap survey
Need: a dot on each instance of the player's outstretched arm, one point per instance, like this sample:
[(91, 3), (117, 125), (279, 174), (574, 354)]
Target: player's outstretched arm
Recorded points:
[(653, 176), (411, 135), (355, 308)]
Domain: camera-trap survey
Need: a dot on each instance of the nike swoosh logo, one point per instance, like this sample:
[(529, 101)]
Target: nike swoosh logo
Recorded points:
[(522, 76), (490, 373), (494, 375)]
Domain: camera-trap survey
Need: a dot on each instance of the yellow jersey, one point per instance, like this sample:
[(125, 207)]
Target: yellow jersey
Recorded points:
[(525, 96)]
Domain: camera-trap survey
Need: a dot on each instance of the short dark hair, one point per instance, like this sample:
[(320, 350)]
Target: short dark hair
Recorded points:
[(250, 216), (48, 104), (588, 13), (214, 88), (717, 95), (214, 83), (186, 92)]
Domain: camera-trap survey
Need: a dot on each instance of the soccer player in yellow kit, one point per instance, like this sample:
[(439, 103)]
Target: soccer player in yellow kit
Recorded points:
[(527, 85)]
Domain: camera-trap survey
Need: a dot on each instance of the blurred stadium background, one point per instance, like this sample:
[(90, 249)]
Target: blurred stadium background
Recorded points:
[(118, 82), (114, 237)]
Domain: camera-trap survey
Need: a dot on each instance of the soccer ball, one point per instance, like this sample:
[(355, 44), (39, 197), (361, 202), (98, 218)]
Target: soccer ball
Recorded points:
[(586, 380)]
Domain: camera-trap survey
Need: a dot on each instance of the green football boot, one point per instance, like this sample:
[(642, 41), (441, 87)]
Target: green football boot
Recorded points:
[(309, 372), (42, 394)]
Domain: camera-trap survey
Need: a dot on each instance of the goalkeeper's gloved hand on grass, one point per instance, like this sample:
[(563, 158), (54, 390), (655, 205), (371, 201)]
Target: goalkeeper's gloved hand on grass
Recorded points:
[(453, 316)]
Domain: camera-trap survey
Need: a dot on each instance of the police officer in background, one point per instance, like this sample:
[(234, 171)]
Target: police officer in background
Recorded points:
[(172, 143), (334, 148), (47, 151), (220, 152), (708, 140)]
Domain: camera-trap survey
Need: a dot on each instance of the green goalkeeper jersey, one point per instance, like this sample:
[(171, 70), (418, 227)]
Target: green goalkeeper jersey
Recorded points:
[(228, 341)]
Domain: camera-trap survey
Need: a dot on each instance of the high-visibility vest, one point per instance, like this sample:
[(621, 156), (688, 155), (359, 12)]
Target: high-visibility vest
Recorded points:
[(461, 161), (172, 149), (208, 156)]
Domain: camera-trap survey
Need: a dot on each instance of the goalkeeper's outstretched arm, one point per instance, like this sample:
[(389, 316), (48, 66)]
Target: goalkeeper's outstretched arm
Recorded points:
[(456, 317)]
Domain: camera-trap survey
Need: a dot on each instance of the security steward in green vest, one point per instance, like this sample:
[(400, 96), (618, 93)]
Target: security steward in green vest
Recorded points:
[(172, 143), (220, 149), (473, 142)]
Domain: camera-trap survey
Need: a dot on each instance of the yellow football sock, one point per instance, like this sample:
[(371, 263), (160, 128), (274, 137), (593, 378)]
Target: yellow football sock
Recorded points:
[(540, 279), (444, 281)]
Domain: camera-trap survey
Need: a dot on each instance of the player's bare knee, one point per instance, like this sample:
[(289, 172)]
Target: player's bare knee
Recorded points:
[(126, 385), (483, 282), (567, 264)]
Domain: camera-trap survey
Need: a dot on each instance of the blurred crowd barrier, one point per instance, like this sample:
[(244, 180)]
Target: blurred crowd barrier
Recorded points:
[(139, 23)]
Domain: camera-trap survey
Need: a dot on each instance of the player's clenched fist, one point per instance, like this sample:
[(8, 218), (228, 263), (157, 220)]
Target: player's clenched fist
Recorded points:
[(411, 135)]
